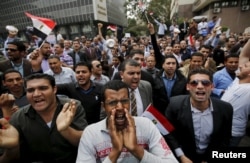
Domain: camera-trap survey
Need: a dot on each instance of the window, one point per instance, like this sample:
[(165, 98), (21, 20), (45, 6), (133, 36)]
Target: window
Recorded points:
[(216, 4), (224, 4), (245, 2)]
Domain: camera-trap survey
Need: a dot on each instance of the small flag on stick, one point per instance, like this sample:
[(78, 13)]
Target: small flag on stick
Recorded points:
[(161, 122), (112, 27), (42, 26)]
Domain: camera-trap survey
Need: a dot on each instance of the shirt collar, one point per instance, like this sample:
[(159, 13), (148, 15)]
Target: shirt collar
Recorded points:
[(164, 76), (209, 109)]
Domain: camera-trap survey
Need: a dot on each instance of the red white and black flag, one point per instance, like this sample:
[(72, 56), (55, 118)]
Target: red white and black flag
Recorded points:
[(112, 27), (161, 122), (41, 26)]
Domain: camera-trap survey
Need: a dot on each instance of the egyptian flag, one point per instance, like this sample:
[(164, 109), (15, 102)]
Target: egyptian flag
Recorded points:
[(112, 27), (161, 122), (41, 26)]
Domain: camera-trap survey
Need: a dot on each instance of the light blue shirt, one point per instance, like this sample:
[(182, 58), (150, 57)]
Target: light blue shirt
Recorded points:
[(221, 80), (162, 27), (203, 127), (67, 75), (169, 83)]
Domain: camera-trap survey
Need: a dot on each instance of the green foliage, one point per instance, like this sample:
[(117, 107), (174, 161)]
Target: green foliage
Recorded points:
[(137, 25)]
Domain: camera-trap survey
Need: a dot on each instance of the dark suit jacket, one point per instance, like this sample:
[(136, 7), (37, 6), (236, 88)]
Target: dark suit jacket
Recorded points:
[(180, 115), (90, 53), (27, 69), (183, 33), (145, 90), (82, 55)]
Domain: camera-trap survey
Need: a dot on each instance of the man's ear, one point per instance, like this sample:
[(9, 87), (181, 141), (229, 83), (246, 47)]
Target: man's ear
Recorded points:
[(121, 74), (3, 83), (55, 89)]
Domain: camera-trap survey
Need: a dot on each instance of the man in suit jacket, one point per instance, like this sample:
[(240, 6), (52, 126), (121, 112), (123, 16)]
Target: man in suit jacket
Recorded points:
[(89, 51), (15, 52), (131, 75), (138, 56), (202, 124), (76, 54), (183, 29)]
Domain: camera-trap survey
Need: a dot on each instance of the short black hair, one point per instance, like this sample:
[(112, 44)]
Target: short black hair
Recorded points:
[(197, 54), (114, 85), (42, 42), (200, 71), (48, 77), (173, 57), (130, 62), (11, 70), (87, 64), (20, 45), (136, 51), (231, 55)]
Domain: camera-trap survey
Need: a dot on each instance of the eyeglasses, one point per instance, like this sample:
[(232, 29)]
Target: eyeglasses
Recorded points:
[(99, 65), (205, 83), (10, 49), (115, 102)]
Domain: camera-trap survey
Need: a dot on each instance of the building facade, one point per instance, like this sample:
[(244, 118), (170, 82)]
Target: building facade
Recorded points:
[(234, 14), (73, 17)]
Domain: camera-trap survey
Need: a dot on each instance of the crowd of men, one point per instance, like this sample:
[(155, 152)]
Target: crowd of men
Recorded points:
[(82, 100)]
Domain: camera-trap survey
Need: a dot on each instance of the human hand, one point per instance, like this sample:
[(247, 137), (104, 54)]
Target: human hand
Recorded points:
[(100, 25), (129, 133), (115, 134), (185, 159), (7, 101), (66, 116), (36, 58), (116, 138), (9, 136), (151, 28)]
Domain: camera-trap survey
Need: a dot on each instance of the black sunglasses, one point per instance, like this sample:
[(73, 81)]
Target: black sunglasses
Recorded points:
[(205, 83), (10, 49), (98, 65)]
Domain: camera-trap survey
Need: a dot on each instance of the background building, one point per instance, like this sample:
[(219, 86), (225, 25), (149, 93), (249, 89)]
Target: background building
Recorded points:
[(73, 17), (234, 13)]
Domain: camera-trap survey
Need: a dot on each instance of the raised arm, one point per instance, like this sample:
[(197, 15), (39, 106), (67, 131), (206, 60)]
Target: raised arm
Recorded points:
[(245, 53), (158, 56)]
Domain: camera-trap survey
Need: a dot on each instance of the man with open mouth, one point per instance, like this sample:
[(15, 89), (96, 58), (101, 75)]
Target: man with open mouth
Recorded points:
[(122, 137)]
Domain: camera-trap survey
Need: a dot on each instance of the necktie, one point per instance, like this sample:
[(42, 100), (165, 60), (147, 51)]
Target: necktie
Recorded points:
[(133, 104)]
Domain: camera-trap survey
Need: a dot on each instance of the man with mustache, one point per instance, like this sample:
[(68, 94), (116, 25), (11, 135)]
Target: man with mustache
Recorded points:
[(121, 137)]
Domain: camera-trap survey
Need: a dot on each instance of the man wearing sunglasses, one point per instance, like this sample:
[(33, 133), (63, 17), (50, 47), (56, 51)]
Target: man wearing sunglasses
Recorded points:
[(122, 137), (97, 75), (15, 52), (202, 124)]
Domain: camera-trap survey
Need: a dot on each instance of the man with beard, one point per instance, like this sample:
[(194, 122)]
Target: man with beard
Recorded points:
[(15, 53), (238, 95), (202, 124), (40, 56), (121, 137)]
